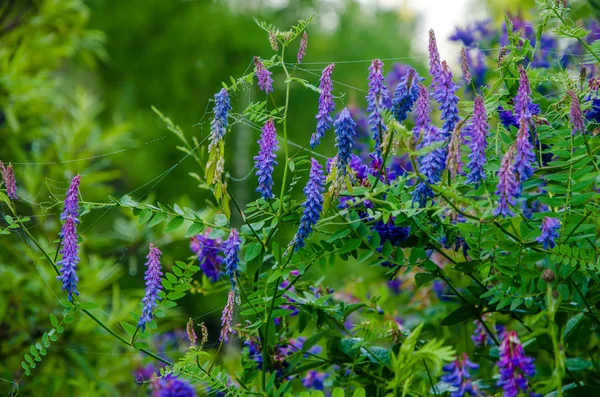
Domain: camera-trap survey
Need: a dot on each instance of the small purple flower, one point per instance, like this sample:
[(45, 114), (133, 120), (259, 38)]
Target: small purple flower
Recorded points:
[(171, 386), (344, 140), (265, 161), (265, 82), (218, 126), (525, 156), (445, 95), (153, 286), (464, 65), (549, 235), (315, 380), (423, 120), (71, 208), (431, 165), (8, 177), (227, 318), (377, 95), (509, 187), (144, 374), (508, 118), (575, 113), (472, 35), (523, 98), (231, 248), (458, 376), (313, 191), (209, 255), (302, 49), (593, 113), (477, 142), (435, 67), (514, 366), (326, 106), (406, 95), (70, 257)]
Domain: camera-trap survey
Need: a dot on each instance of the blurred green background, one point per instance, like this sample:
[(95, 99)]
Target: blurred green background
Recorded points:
[(77, 82)]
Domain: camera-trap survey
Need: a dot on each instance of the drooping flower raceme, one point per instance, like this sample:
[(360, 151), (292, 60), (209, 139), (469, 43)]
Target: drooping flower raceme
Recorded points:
[(549, 234), (191, 333), (265, 161), (10, 183), (326, 106), (302, 49), (477, 142), (525, 156), (575, 113), (313, 191), (263, 75), (153, 286), (68, 234), (445, 95), (227, 318), (514, 366), (453, 161), (458, 376), (431, 165), (171, 386), (434, 60), (406, 94), (231, 248), (423, 121), (208, 251), (464, 65), (377, 96), (523, 98), (509, 187), (218, 128), (344, 140)]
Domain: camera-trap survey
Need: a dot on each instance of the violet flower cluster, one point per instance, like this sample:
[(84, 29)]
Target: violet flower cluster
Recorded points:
[(509, 187), (344, 141), (435, 66), (265, 161), (477, 143), (313, 191), (302, 49), (445, 95), (231, 248), (263, 75), (525, 156), (227, 318), (514, 366), (218, 126), (153, 286), (422, 120), (10, 183), (406, 94), (208, 251), (458, 375), (550, 233), (575, 113), (68, 234), (171, 386), (464, 66), (326, 106), (376, 97)]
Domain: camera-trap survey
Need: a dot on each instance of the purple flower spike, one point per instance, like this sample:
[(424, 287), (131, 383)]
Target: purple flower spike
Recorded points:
[(464, 65), (72, 200), (326, 106), (68, 234), (431, 165), (423, 121), (344, 140), (406, 95), (514, 366), (549, 235), (171, 386), (525, 157), (265, 82), (8, 177), (377, 96), (523, 98), (218, 126), (265, 161), (315, 380), (231, 248), (209, 255), (458, 376), (445, 95), (227, 318), (153, 286), (508, 188), (477, 142), (453, 161), (70, 257), (302, 49), (434, 60), (313, 191), (575, 113)]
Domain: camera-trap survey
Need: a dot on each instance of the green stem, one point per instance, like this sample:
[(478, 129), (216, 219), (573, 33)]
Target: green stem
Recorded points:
[(553, 331)]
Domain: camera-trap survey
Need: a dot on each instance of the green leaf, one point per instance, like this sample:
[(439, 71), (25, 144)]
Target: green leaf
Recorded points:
[(130, 329), (53, 320), (194, 229), (174, 224), (144, 216), (252, 251), (423, 278), (158, 218), (462, 314)]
